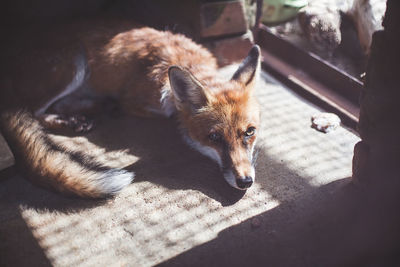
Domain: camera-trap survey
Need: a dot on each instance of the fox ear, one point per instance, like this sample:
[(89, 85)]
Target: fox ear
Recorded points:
[(187, 90), (249, 69)]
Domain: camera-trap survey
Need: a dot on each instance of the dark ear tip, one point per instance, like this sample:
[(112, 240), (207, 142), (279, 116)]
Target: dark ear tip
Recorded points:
[(255, 51)]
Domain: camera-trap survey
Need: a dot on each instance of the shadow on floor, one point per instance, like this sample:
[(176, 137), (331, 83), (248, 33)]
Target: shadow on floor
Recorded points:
[(350, 227), (18, 247), (164, 158)]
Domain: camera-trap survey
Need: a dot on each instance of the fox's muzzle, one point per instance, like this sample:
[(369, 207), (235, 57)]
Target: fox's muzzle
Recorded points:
[(238, 169), (245, 182), (240, 182)]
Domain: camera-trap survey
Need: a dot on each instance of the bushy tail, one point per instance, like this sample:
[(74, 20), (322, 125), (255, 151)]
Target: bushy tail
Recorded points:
[(54, 165)]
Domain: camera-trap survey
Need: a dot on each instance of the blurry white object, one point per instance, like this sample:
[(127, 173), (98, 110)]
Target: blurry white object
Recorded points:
[(325, 122)]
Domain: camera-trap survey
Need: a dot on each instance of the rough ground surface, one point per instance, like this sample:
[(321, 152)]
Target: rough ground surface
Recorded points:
[(179, 211)]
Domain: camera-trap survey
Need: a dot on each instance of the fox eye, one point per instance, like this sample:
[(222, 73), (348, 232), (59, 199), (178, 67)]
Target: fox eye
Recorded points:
[(214, 136), (250, 131)]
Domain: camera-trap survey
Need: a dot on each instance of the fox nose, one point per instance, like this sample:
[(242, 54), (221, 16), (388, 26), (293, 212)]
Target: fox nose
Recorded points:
[(244, 182)]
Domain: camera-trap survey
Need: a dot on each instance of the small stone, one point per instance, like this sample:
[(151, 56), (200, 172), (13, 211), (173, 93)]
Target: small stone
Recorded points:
[(325, 122)]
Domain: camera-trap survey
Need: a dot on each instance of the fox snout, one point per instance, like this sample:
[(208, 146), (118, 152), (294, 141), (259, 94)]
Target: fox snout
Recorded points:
[(244, 182), (240, 179)]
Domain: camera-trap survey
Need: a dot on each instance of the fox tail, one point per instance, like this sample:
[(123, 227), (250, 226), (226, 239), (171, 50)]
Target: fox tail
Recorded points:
[(53, 165)]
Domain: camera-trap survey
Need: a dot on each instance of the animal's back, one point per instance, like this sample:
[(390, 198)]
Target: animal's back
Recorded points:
[(133, 65)]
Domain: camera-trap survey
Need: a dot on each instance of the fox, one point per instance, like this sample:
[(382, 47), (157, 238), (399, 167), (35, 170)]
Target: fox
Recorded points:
[(63, 78)]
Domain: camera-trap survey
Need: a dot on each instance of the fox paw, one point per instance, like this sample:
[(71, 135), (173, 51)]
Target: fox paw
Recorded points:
[(77, 123), (80, 124)]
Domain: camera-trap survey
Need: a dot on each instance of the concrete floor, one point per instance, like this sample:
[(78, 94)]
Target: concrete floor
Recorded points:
[(180, 212)]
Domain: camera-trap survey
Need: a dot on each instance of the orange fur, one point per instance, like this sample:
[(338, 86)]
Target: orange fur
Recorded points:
[(131, 65)]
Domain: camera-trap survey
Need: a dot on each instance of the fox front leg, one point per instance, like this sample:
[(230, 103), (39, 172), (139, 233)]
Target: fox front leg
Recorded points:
[(75, 112)]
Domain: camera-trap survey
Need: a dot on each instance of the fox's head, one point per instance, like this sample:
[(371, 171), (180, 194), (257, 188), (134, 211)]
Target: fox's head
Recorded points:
[(221, 119)]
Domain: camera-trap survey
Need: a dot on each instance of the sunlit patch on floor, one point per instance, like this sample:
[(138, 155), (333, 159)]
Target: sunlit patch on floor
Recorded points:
[(140, 224)]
